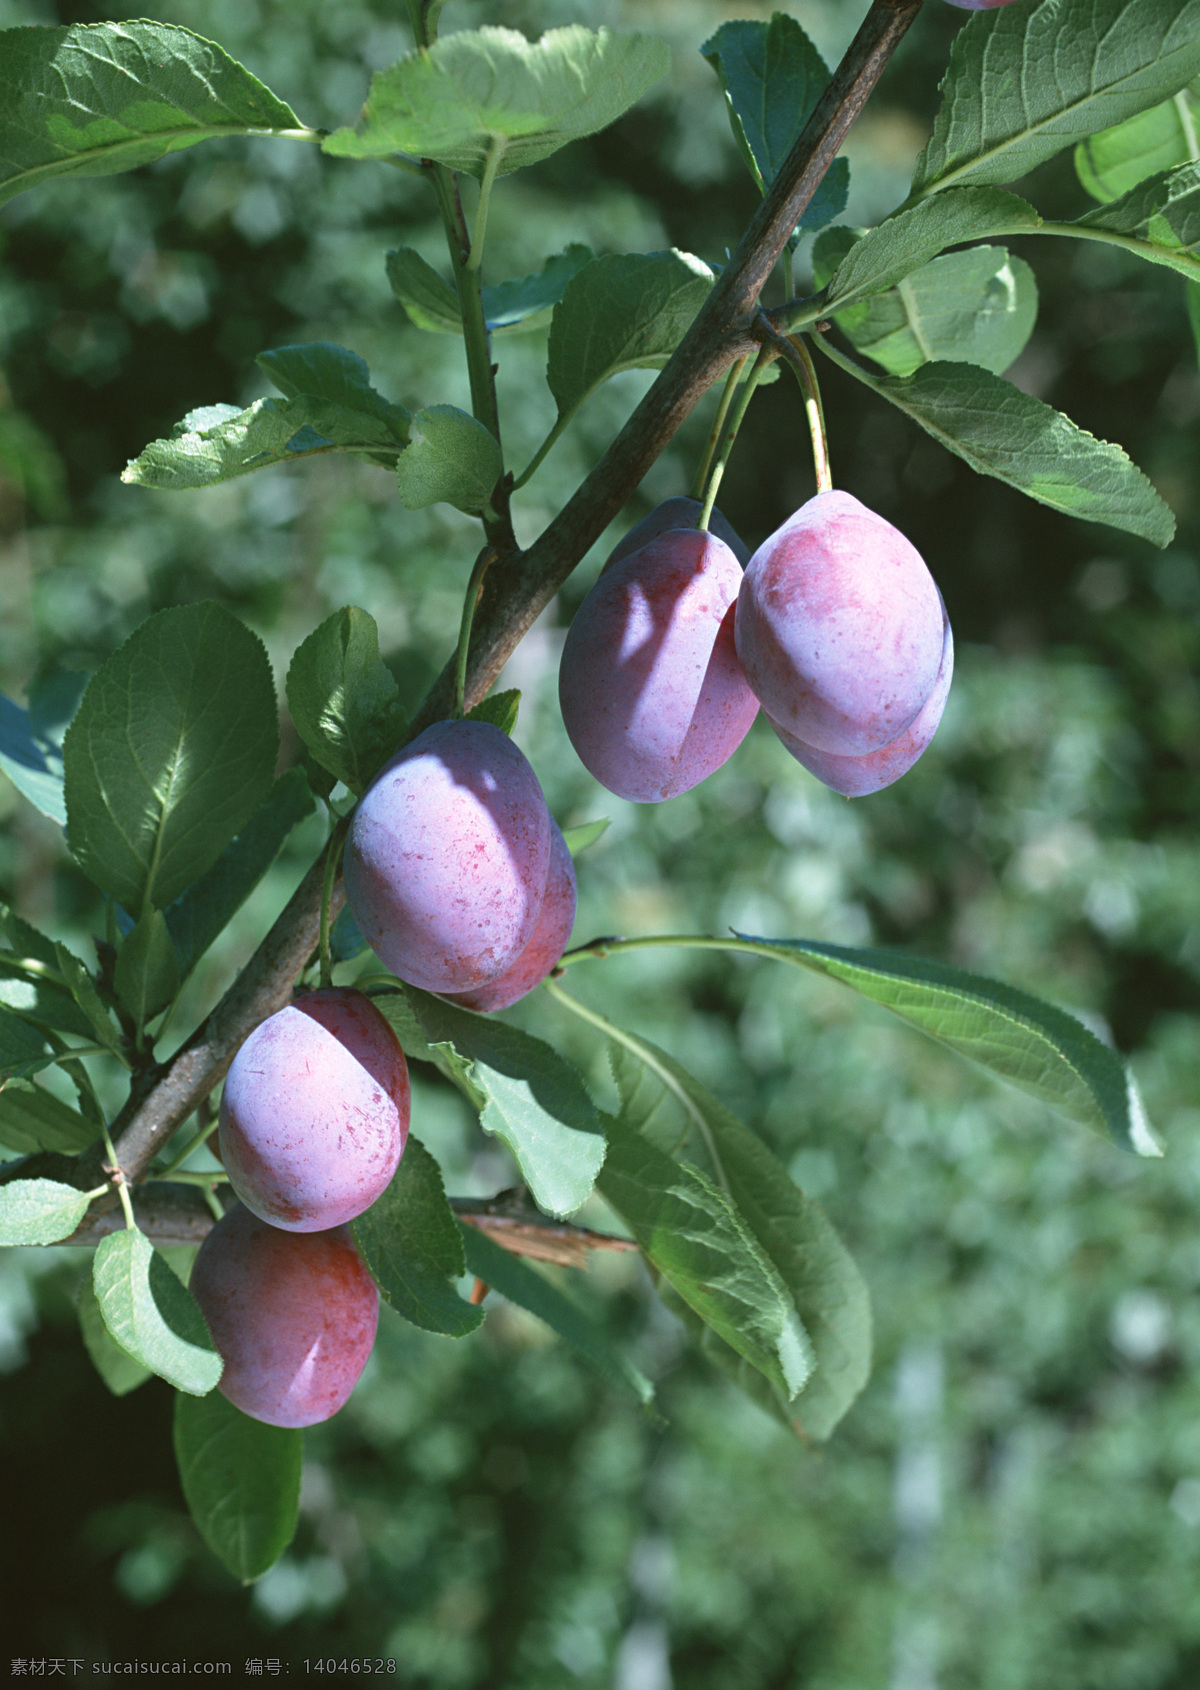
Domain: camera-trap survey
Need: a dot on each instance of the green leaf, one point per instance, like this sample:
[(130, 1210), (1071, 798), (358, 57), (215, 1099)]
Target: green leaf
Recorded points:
[(1025, 83), (329, 406), (32, 1119), (691, 1233), (33, 765), (820, 1275), (450, 457), (153, 1317), (488, 97), (508, 307), (96, 99), (343, 699), (202, 912), (84, 990), (1030, 1043), (40, 1211), (147, 975), (1111, 162), (532, 1099), (515, 1279), (38, 998), (119, 1371), (241, 1482), (410, 1241), (1163, 211), (498, 708), (773, 77), (578, 839), (628, 311), (908, 240), (22, 1046), (170, 753), (973, 307), (25, 940), (1193, 306), (1003, 432)]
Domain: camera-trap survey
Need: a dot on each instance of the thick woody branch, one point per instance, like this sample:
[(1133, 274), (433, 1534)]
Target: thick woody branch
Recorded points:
[(521, 584)]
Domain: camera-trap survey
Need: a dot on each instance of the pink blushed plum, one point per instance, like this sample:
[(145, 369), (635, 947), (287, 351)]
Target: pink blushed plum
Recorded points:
[(677, 513), (446, 858), (293, 1316), (314, 1114), (547, 942), (652, 695), (855, 777), (979, 5), (839, 627)]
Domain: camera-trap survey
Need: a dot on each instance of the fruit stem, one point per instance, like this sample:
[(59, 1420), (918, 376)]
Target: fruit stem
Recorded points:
[(333, 857), (474, 592), (172, 1168), (117, 1174), (729, 432), (714, 433)]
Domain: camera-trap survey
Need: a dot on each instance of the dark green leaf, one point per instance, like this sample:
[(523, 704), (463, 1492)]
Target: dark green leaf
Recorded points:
[(170, 753), (694, 1237), (820, 1275), (343, 699), (1025, 83), (625, 312), (25, 940), (1163, 211), (322, 371), (21, 1045), (345, 938), (515, 1279), (578, 839), (95, 99), (115, 1366), (1117, 159), (202, 912), (153, 1317), (450, 457), (885, 255), (147, 974), (773, 77), (533, 1099), (1026, 1041), (39, 1211), (498, 708), (1193, 306), (84, 990), (241, 1482), (429, 300), (1004, 432), (32, 1119), (410, 1241), (33, 766), (489, 95), (508, 307)]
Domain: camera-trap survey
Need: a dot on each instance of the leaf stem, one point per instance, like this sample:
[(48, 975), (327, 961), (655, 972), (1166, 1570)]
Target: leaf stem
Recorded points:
[(188, 1150), (729, 432), (117, 1175), (718, 423), (495, 154), (550, 440), (333, 856), (474, 590)]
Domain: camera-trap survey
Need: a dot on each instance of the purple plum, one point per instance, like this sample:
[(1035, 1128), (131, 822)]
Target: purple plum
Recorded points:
[(677, 513), (547, 942), (839, 627), (652, 695), (446, 857), (314, 1114), (293, 1316)]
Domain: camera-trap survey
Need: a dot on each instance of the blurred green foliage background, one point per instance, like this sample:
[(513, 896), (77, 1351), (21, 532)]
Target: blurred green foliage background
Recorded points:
[(1015, 1501)]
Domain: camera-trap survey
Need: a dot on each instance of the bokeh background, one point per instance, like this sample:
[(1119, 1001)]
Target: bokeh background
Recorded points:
[(1015, 1500)]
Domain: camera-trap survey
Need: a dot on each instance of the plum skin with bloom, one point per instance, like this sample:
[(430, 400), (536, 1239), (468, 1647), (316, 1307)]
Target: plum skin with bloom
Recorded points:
[(839, 627), (679, 512), (315, 1112), (293, 1316), (979, 5), (547, 942), (652, 696), (446, 858)]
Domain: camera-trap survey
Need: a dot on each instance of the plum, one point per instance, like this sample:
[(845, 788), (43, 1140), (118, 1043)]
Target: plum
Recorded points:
[(651, 692), (293, 1316), (314, 1114), (446, 858), (854, 777), (839, 627), (677, 513), (979, 5), (547, 942)]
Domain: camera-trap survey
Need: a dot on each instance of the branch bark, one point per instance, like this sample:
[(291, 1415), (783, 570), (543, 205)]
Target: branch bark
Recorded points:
[(520, 585)]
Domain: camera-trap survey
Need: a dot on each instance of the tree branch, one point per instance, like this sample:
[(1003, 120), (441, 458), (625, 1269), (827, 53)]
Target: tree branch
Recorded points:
[(521, 584)]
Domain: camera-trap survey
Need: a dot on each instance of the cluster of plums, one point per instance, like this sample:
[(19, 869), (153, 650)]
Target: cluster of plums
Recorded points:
[(835, 628), (462, 883)]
